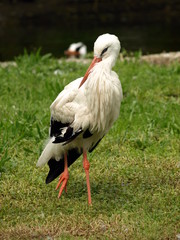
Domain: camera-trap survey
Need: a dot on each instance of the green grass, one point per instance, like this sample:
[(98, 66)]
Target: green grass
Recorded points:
[(134, 171)]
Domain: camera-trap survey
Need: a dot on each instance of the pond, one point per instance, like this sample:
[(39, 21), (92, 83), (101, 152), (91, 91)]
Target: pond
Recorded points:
[(55, 39)]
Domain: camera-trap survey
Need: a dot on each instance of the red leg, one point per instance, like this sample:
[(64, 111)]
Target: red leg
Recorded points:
[(63, 177), (86, 166)]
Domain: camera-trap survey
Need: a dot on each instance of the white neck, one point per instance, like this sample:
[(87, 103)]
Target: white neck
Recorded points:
[(99, 94)]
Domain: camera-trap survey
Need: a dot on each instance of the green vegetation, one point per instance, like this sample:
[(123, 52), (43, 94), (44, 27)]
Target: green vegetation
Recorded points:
[(134, 170)]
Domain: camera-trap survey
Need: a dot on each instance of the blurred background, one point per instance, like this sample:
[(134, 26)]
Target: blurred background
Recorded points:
[(151, 26)]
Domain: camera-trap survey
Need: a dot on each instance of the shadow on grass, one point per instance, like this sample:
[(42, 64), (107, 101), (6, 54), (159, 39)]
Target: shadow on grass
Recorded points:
[(104, 191)]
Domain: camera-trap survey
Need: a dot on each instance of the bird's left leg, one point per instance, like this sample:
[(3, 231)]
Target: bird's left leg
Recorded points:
[(86, 166), (63, 177)]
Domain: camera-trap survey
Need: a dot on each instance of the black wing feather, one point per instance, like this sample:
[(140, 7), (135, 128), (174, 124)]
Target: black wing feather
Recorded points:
[(68, 137), (56, 127), (87, 134), (57, 167)]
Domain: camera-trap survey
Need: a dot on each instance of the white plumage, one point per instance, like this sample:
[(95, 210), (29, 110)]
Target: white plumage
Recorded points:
[(87, 107)]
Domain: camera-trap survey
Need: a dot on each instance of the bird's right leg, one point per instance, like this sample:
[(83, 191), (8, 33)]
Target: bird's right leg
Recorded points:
[(86, 166), (63, 177)]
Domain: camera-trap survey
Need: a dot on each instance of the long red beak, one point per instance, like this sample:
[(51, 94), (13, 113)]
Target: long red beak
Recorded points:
[(94, 61)]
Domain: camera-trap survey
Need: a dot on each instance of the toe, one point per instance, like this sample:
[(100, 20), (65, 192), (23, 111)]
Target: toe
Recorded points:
[(63, 187)]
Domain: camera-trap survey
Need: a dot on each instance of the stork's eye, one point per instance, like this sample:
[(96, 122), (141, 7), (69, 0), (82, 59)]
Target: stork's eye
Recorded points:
[(104, 50)]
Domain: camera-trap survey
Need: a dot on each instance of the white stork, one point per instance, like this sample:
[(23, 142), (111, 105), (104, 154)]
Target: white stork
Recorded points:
[(83, 113), (78, 49)]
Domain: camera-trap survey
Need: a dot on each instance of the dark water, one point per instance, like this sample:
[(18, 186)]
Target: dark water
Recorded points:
[(55, 39)]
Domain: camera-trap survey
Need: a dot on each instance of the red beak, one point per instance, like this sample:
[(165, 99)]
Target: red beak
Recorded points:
[(94, 61)]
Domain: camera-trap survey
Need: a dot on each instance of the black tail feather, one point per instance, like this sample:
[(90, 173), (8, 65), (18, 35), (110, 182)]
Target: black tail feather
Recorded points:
[(57, 167)]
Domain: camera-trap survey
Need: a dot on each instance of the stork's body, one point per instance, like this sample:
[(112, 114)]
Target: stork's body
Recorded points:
[(83, 113), (76, 50)]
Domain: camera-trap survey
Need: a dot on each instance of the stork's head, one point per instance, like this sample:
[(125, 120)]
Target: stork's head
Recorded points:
[(106, 49), (107, 46)]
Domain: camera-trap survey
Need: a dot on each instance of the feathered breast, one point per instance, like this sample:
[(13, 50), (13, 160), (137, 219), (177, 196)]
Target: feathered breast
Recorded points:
[(104, 95)]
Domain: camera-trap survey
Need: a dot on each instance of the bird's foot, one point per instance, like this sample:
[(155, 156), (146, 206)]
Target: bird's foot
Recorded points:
[(63, 179)]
